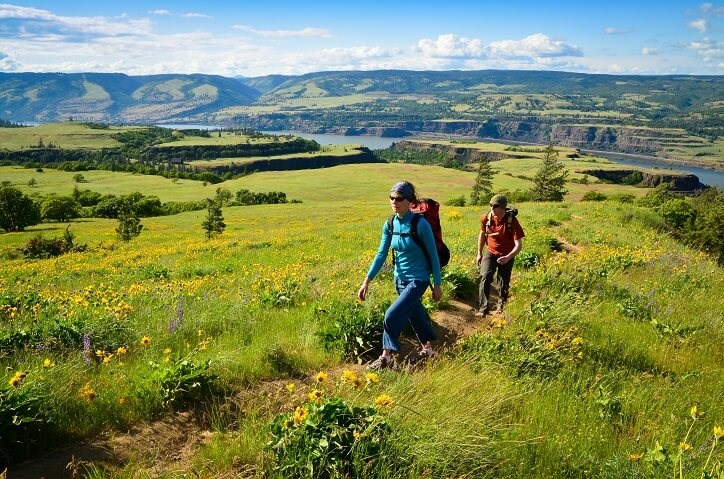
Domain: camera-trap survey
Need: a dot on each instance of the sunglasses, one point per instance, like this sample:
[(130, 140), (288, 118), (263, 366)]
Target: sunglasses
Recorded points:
[(495, 206), (397, 199)]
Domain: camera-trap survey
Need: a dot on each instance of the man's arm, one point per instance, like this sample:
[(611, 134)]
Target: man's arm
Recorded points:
[(481, 244)]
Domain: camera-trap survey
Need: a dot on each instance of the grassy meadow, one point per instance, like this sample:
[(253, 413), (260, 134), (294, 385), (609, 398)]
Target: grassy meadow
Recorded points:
[(607, 363)]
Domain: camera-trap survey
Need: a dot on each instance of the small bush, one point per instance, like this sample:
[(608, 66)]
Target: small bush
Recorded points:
[(594, 196), (623, 198), (351, 329), (527, 259), (328, 438), (457, 201), (41, 248)]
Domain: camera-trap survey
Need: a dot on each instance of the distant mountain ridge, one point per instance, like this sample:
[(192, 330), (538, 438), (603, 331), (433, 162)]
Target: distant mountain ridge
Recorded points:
[(116, 97)]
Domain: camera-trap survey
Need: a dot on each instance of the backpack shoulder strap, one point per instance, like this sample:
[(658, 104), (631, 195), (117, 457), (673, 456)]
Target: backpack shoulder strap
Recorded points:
[(390, 226), (414, 225)]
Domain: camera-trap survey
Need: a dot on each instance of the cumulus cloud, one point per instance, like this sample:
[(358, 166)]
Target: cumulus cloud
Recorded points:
[(7, 63), (451, 46), (649, 51), (701, 25), (537, 45), (308, 32), (160, 12), (531, 47), (708, 48)]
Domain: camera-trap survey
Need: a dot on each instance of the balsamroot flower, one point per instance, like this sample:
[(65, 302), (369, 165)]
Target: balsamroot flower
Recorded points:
[(322, 377), (300, 415), (87, 392), (373, 378), (383, 400), (145, 341)]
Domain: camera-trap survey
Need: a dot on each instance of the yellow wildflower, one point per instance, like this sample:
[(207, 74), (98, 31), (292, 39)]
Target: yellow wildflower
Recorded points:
[(348, 376), (684, 446), (47, 364), (695, 413), (634, 456), (288, 423), (300, 415), (356, 434), (167, 351), (100, 353), (107, 359), (315, 395), (577, 340), (383, 400), (87, 392), (123, 401), (290, 387), (145, 341), (373, 378), (719, 432), (322, 377), (122, 350)]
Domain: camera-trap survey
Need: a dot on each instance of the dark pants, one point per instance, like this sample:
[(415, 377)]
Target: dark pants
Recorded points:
[(488, 267)]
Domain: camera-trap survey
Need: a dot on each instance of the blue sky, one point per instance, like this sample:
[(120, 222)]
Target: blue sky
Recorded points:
[(254, 38)]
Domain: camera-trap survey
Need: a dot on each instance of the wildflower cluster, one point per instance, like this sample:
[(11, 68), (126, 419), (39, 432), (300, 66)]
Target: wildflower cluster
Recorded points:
[(327, 434)]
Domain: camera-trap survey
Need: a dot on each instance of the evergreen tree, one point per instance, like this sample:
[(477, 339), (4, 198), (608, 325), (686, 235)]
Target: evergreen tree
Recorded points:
[(214, 222), (129, 224), (550, 180), (483, 187)]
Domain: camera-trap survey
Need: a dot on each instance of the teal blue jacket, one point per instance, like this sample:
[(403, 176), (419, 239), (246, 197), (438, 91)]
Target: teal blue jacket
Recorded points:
[(410, 261)]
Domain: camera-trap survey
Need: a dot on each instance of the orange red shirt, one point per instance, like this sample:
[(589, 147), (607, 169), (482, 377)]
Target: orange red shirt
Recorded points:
[(501, 236)]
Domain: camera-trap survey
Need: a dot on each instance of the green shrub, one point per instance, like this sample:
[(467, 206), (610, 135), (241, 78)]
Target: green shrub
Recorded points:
[(459, 283), (594, 196), (183, 381), (527, 259), (623, 198), (328, 439), (677, 212), (457, 201), (350, 328), (40, 248)]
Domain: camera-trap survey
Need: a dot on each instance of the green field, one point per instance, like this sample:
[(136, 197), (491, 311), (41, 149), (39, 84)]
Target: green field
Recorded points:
[(596, 364), (63, 135)]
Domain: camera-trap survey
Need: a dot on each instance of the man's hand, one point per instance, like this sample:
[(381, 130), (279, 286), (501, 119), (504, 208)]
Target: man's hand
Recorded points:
[(504, 259), (479, 259)]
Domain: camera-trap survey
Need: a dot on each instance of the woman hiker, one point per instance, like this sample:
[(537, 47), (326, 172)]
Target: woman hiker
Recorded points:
[(412, 277)]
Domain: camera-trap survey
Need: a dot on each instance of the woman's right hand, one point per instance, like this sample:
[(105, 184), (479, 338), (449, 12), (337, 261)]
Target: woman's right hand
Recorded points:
[(362, 293)]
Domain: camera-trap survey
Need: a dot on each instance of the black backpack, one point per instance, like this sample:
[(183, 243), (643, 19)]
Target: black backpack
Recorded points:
[(430, 210), (510, 213)]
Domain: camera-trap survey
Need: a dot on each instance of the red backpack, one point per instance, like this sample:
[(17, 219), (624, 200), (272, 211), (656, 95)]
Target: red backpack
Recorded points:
[(430, 210)]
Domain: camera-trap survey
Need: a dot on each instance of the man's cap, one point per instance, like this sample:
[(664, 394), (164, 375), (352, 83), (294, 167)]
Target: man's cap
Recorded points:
[(499, 200)]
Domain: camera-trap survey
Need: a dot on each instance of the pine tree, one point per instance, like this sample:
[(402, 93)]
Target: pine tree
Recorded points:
[(483, 187), (129, 224), (550, 180), (214, 222)]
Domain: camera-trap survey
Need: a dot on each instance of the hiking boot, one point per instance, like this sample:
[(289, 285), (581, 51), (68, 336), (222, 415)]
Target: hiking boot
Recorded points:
[(482, 313), (383, 362), (418, 357)]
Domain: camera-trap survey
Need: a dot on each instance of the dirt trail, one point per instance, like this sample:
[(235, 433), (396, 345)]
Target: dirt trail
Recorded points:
[(171, 442)]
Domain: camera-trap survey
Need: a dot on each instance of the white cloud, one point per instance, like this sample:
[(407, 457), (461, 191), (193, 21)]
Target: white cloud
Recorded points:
[(42, 21), (308, 32), (160, 12), (531, 47), (195, 15), (701, 25), (708, 48), (451, 46), (7, 63), (616, 31), (537, 45), (649, 51)]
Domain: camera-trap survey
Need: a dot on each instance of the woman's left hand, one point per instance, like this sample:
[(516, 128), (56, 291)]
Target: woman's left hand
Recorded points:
[(437, 292)]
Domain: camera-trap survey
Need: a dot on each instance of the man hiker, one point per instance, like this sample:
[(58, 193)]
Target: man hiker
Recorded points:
[(503, 235)]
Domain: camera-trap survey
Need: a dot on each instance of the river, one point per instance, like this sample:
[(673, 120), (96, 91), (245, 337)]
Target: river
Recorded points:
[(708, 177)]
